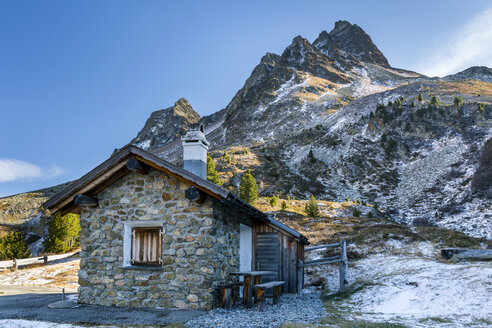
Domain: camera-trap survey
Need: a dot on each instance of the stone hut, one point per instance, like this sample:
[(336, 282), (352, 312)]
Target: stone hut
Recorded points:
[(157, 235)]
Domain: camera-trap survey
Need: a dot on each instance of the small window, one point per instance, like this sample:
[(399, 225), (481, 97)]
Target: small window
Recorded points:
[(147, 246)]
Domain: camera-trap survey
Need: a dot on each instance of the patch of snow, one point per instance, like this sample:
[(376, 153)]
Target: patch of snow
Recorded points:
[(409, 288), (43, 275), (15, 323), (144, 144)]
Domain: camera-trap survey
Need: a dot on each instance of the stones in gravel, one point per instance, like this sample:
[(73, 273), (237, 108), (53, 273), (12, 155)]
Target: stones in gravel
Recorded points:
[(308, 309)]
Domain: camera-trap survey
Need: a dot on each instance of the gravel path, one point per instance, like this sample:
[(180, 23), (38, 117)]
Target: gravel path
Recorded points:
[(308, 309)]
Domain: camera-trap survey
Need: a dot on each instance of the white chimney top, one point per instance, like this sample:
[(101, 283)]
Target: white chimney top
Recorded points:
[(195, 147)]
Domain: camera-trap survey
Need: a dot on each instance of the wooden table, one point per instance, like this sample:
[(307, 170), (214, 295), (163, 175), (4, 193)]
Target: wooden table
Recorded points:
[(248, 283)]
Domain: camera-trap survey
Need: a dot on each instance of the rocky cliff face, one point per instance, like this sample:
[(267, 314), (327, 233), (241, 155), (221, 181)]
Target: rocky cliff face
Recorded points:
[(166, 125)]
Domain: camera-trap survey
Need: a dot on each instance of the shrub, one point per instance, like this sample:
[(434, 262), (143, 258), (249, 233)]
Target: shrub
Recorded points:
[(248, 190), (398, 103), (375, 205), (227, 157), (386, 117), (63, 233), (458, 101), (481, 107), (273, 201), (390, 146), (284, 205), (370, 215), (356, 213), (245, 151), (435, 101), (14, 246), (312, 208)]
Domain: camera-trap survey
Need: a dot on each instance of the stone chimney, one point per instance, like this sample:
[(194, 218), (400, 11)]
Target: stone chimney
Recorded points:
[(195, 147)]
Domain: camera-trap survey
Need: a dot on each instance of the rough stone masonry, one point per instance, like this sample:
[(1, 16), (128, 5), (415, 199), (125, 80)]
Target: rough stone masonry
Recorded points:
[(200, 245)]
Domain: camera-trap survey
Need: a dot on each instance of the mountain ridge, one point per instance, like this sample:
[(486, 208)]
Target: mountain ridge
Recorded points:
[(340, 99)]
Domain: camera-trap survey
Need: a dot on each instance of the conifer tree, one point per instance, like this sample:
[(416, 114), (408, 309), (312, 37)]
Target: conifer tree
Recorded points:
[(458, 101), (14, 246), (435, 101), (248, 190), (63, 233), (210, 165), (420, 98), (212, 174), (274, 201), (312, 208), (284, 205), (311, 157)]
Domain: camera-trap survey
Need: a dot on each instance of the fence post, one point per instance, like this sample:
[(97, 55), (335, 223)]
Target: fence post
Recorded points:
[(45, 259), (343, 265), (14, 267), (300, 277)]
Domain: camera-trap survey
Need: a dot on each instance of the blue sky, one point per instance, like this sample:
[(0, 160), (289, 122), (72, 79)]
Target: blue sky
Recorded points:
[(79, 78)]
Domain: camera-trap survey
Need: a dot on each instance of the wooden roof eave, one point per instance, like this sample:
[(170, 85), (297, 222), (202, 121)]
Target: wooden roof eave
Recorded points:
[(114, 168)]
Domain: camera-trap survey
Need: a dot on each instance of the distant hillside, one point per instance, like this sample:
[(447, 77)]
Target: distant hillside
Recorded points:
[(20, 208)]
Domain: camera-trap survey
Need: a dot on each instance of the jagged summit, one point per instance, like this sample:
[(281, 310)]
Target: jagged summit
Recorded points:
[(302, 55), (349, 40), (166, 125)]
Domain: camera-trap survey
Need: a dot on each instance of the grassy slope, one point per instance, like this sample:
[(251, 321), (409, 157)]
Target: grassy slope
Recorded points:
[(16, 209)]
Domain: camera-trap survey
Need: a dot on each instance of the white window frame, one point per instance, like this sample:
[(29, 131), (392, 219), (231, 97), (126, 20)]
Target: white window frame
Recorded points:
[(127, 238)]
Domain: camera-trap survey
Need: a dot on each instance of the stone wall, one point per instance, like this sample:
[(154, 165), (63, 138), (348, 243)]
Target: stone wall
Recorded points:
[(200, 246)]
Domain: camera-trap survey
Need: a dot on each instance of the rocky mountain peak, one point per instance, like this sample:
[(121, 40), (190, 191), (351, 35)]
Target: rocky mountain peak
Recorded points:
[(303, 56), (183, 108), (297, 51), (350, 40), (166, 125)]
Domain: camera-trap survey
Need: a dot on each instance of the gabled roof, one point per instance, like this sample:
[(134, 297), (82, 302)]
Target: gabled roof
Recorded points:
[(115, 167)]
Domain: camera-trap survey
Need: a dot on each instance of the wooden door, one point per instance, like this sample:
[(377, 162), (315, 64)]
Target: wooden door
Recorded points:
[(267, 253)]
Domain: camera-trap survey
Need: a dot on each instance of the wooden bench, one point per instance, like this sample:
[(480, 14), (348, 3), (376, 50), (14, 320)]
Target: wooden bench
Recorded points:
[(260, 292), (225, 294)]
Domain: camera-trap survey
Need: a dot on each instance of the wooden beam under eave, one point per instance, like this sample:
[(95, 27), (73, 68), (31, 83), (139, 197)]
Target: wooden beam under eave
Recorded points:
[(85, 200), (195, 195), (135, 165), (103, 177)]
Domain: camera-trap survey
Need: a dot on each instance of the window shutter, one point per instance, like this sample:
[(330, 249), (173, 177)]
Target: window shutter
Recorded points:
[(147, 246)]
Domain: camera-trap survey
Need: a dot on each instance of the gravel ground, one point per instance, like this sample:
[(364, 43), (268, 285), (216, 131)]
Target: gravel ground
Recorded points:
[(308, 309)]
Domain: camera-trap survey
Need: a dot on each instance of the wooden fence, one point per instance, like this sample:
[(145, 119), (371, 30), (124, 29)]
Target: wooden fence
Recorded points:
[(15, 263), (339, 258)]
